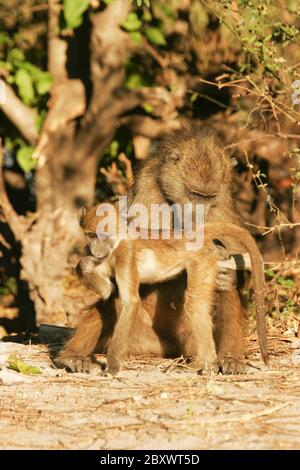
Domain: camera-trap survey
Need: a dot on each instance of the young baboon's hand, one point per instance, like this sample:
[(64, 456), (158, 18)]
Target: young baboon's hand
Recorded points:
[(86, 265), (226, 277)]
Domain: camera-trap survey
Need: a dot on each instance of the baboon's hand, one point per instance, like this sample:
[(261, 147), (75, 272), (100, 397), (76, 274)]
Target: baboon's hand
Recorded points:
[(86, 265), (226, 277)]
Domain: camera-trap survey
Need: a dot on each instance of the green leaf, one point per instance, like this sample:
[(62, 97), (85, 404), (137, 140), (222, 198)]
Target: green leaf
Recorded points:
[(33, 70), (155, 36), (4, 38), (6, 66), (25, 86), (169, 12), (114, 148), (10, 287), (132, 22), (136, 37), (289, 283), (250, 39), (148, 108), (41, 80), (40, 119), (270, 272), (16, 363), (140, 3), (147, 17), (15, 55), (73, 12), (43, 83), (135, 80), (25, 159), (136, 75)]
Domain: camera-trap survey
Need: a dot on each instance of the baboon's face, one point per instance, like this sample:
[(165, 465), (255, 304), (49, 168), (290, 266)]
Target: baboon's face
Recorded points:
[(195, 169), (100, 245)]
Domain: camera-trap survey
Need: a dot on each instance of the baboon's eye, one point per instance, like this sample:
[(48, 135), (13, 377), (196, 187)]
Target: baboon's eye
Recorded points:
[(92, 235), (205, 196)]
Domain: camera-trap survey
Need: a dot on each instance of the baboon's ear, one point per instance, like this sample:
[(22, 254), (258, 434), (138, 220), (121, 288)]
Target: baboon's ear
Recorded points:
[(174, 156), (81, 215)]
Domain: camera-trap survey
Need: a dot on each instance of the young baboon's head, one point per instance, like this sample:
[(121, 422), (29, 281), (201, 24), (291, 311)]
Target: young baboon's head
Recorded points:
[(100, 233), (195, 167)]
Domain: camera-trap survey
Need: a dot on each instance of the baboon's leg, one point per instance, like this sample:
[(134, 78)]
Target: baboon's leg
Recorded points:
[(128, 287), (76, 352), (169, 322), (119, 344), (198, 310), (95, 329), (144, 339), (229, 332)]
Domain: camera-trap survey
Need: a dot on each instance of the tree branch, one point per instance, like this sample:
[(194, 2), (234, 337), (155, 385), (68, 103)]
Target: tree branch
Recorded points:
[(109, 50), (67, 101), (22, 116), (57, 47)]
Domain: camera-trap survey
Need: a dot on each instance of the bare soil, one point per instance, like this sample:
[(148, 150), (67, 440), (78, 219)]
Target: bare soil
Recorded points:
[(152, 404)]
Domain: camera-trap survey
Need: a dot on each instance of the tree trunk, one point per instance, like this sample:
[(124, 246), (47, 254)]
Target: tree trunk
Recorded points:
[(71, 142)]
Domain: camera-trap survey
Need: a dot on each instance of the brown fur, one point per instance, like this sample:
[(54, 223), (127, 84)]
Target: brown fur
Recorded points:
[(196, 161), (201, 162), (127, 262)]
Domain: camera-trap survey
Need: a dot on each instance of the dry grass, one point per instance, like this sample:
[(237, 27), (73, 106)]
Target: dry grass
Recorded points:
[(153, 403), (161, 403)]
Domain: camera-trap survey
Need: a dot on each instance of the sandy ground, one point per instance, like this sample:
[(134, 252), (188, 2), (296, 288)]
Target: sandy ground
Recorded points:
[(152, 404)]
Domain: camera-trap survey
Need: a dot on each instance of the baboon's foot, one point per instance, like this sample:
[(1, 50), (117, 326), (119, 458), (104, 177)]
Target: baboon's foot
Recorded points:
[(113, 365), (205, 367), (75, 364), (229, 365)]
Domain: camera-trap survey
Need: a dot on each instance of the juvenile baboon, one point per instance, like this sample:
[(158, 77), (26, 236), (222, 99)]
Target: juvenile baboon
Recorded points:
[(188, 166), (134, 261)]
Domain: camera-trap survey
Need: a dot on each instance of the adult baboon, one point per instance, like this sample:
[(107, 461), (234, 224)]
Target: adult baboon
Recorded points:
[(187, 166)]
